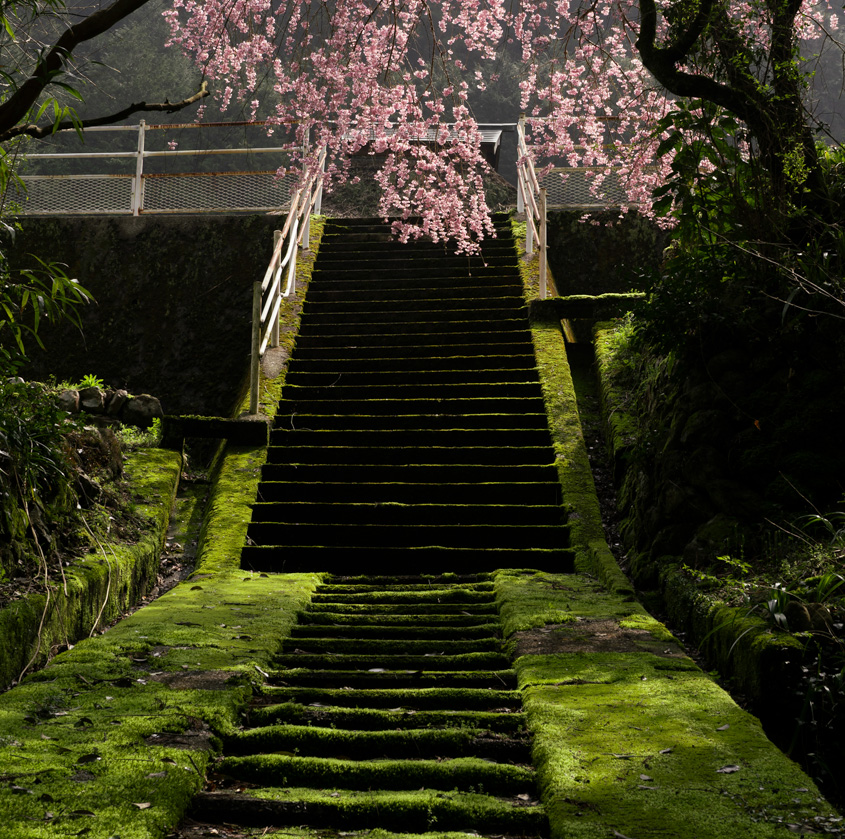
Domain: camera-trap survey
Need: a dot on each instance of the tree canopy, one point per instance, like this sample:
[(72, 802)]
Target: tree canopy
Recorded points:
[(603, 82)]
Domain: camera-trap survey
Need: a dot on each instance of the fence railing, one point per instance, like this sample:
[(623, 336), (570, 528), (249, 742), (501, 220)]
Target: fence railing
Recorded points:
[(531, 199), (267, 295), (144, 192)]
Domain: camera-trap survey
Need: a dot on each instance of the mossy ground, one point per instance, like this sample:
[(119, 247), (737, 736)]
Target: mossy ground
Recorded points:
[(644, 743)]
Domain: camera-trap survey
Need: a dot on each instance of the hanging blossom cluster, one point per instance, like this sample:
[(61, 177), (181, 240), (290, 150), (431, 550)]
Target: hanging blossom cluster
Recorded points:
[(394, 78)]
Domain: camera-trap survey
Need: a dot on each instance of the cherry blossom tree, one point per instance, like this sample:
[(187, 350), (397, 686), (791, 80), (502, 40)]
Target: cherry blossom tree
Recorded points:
[(601, 81)]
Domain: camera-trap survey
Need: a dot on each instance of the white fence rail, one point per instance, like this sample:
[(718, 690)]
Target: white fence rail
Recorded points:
[(147, 192), (267, 294)]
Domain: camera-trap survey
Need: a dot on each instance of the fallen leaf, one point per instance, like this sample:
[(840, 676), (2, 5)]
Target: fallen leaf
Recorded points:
[(728, 770), (724, 727), (646, 778), (145, 806), (157, 775), (666, 751)]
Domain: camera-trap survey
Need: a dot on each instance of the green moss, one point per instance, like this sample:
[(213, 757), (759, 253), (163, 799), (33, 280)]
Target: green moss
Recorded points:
[(624, 745)]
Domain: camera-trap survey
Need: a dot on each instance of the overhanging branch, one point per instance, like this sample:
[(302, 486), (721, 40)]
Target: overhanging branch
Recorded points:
[(39, 131), (53, 61)]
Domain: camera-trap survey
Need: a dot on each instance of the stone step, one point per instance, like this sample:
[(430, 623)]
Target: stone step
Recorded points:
[(411, 455), (407, 514)]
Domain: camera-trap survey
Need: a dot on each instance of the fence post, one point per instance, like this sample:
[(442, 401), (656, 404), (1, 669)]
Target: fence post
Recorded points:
[(544, 286), (277, 279), (138, 194), (255, 358)]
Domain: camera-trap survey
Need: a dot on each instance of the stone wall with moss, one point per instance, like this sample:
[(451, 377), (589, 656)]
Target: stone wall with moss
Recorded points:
[(173, 303)]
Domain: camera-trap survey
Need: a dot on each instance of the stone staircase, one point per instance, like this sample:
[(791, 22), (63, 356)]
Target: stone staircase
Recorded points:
[(412, 430), (393, 707)]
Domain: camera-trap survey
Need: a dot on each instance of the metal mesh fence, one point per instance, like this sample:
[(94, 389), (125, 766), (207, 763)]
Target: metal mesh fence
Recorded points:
[(216, 192), (569, 188), (75, 195)]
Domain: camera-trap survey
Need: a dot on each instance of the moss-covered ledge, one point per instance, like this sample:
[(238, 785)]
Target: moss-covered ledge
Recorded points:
[(743, 647), (592, 554), (100, 587), (630, 737)]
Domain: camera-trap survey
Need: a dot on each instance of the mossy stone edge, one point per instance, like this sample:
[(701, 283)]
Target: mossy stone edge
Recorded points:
[(741, 646), (98, 586)]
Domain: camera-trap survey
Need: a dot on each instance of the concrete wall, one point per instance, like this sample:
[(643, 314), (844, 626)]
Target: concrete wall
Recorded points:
[(173, 303)]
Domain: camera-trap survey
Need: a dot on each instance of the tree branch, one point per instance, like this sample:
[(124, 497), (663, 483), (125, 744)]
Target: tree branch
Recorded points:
[(662, 63), (53, 62), (39, 131)]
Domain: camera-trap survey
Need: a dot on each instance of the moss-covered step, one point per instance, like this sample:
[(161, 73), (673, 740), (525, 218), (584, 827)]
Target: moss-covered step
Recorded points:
[(422, 583), (393, 661), (402, 455), (355, 634), (381, 646), (396, 619), (381, 677), (420, 593), (466, 774), (388, 610), (342, 365), (397, 354), (356, 810), (412, 342), (365, 719), (408, 698), (393, 438)]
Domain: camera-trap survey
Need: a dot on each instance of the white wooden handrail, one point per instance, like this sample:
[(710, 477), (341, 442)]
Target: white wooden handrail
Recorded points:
[(531, 199), (267, 294)]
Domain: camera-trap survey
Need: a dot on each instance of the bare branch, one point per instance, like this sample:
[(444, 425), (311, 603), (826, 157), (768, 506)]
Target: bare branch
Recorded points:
[(39, 131)]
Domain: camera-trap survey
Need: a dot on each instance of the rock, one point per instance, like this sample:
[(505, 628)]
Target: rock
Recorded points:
[(141, 410), (68, 400), (820, 617), (797, 616), (92, 400), (116, 403)]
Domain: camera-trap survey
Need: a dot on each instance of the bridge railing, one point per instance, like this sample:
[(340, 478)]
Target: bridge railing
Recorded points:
[(267, 295), (146, 192)]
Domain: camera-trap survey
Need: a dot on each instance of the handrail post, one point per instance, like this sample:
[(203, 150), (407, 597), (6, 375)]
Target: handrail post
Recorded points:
[(520, 174), (318, 204), (274, 330), (306, 222), (255, 359), (138, 193), (544, 287), (529, 231)]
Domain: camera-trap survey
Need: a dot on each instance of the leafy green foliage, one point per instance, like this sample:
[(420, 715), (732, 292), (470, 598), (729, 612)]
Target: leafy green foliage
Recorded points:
[(34, 463), (44, 292)]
